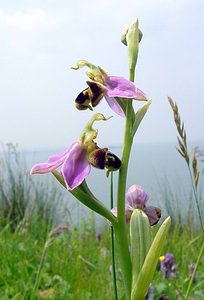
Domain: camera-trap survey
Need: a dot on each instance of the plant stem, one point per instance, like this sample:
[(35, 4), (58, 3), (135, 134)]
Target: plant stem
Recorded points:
[(112, 241), (196, 199), (201, 223), (37, 279), (194, 272), (120, 228)]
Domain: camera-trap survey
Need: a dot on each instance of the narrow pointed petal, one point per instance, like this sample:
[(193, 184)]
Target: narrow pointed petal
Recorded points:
[(141, 95), (114, 105), (53, 163), (120, 87), (76, 167), (153, 214)]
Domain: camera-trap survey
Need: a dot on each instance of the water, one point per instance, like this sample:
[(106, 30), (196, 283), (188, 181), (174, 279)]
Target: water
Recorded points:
[(158, 168)]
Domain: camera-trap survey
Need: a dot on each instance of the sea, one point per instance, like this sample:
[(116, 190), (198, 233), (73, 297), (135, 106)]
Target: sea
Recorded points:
[(157, 167)]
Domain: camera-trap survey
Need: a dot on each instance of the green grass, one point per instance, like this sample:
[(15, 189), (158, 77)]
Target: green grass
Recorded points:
[(77, 265)]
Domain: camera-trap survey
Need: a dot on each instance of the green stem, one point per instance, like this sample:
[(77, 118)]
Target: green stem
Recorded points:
[(194, 272), (37, 279), (112, 242), (120, 228), (196, 199), (201, 223)]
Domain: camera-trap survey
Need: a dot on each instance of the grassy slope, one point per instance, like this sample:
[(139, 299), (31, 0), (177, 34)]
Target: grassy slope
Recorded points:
[(77, 265)]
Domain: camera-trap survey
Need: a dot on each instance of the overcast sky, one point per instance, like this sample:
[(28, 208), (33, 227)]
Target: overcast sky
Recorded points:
[(41, 40)]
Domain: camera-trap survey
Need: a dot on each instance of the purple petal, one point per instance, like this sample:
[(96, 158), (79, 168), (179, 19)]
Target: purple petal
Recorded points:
[(120, 87), (141, 95), (53, 163), (136, 196), (76, 167), (153, 214), (114, 105)]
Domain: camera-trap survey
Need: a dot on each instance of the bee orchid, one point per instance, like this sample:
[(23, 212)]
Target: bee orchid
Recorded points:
[(101, 84), (76, 161), (137, 198)]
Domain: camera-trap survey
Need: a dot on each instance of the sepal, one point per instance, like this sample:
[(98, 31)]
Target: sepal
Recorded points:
[(140, 237), (141, 284), (139, 116)]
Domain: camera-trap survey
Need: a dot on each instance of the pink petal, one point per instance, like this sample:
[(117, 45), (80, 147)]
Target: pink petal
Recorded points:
[(120, 87), (76, 167), (141, 95), (114, 105), (53, 163), (136, 196)]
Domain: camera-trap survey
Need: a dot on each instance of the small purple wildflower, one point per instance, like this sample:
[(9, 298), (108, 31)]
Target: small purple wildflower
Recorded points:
[(98, 236), (149, 295), (191, 269), (137, 198), (167, 266)]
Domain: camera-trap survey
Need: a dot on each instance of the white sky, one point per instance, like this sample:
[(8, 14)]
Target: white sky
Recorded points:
[(41, 40)]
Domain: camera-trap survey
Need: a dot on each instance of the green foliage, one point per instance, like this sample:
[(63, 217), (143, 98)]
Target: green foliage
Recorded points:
[(77, 265)]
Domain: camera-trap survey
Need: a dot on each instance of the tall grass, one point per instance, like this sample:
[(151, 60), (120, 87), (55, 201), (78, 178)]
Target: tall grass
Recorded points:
[(24, 199), (76, 265)]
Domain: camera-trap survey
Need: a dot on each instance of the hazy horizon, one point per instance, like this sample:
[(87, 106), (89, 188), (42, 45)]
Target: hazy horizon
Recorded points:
[(41, 41)]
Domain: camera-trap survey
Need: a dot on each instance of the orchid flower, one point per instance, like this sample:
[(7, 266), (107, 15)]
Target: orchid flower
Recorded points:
[(101, 84), (76, 161), (137, 198)]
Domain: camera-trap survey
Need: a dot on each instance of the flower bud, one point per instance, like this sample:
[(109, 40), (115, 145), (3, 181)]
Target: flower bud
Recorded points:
[(125, 32)]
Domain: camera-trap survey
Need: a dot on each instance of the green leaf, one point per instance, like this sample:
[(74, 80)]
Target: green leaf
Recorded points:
[(140, 288), (139, 116), (140, 237)]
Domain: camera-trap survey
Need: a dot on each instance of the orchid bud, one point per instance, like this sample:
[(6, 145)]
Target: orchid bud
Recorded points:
[(124, 34)]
